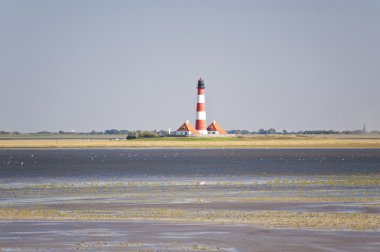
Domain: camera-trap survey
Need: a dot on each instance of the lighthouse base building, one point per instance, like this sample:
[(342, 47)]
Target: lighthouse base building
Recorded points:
[(215, 129), (187, 129)]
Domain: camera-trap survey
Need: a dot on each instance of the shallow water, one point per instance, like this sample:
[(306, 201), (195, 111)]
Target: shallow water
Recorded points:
[(145, 176), (124, 164)]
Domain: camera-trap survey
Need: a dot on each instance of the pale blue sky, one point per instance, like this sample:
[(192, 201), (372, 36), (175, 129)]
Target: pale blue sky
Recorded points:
[(95, 65)]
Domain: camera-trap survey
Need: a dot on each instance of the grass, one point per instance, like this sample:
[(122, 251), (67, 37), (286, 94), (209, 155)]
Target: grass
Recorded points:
[(276, 141)]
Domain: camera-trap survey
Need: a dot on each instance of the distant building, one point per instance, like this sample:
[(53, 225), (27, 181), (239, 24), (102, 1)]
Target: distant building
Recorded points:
[(186, 129), (215, 129)]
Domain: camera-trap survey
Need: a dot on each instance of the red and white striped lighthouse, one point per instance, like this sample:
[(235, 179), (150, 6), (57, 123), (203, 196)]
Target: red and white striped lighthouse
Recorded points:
[(200, 123)]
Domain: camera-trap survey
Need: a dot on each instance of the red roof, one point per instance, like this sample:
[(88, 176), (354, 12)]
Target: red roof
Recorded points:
[(216, 127), (188, 127)]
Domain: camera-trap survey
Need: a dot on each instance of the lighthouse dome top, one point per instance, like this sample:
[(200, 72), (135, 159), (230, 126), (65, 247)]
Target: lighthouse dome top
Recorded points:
[(201, 83)]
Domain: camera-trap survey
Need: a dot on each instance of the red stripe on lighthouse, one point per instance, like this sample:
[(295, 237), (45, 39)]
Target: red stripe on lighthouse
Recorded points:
[(201, 107), (201, 124)]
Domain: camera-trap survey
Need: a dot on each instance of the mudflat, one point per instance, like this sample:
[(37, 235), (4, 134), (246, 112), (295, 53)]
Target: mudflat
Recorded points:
[(190, 199), (153, 236)]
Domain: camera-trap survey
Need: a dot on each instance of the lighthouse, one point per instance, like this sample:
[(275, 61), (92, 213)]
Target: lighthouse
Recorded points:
[(200, 123), (187, 129)]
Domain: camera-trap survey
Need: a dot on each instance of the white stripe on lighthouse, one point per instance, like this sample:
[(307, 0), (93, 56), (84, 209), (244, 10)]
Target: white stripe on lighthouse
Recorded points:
[(203, 132), (201, 98), (201, 115)]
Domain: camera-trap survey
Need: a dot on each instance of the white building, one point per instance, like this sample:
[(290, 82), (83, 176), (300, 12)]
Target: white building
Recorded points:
[(186, 129), (215, 129)]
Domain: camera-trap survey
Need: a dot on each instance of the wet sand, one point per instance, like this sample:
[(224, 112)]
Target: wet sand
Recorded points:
[(348, 207), (151, 236)]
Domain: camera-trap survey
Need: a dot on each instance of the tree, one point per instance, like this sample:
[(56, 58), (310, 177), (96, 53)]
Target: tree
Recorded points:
[(272, 131), (262, 131)]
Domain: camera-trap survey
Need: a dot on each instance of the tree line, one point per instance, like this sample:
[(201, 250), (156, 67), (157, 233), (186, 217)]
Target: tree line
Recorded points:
[(162, 133), (272, 131)]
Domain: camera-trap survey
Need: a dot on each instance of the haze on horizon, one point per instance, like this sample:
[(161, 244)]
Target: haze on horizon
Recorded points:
[(95, 65)]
